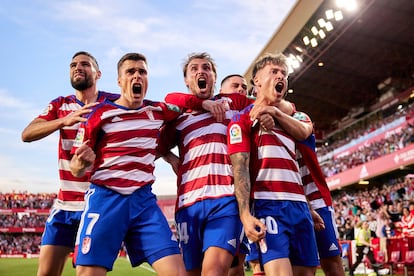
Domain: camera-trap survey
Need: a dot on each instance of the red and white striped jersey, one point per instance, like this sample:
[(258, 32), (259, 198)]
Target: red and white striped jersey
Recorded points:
[(205, 170), (274, 170), (72, 189), (314, 183), (125, 142)]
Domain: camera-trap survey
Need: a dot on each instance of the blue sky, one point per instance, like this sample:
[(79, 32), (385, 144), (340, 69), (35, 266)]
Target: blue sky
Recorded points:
[(39, 38)]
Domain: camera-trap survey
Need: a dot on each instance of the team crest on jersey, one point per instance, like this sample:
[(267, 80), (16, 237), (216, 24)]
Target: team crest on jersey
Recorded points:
[(235, 134), (47, 109), (79, 137), (86, 245)]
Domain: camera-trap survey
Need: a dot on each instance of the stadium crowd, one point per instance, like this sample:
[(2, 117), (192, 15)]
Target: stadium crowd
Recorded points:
[(381, 206), (26, 200), (366, 152)]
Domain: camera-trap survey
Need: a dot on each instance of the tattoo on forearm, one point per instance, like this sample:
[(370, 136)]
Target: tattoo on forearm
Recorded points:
[(240, 162)]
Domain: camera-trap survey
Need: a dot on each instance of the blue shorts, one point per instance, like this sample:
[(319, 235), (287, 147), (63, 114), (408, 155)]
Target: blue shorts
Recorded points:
[(207, 223), (290, 233), (253, 254), (110, 218), (326, 239), (61, 228)]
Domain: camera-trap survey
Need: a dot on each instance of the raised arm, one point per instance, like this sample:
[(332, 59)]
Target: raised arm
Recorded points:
[(299, 125), (40, 128)]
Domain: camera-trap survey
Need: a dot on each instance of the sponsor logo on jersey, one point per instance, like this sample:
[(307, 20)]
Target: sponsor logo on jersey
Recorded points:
[(79, 137), (235, 134)]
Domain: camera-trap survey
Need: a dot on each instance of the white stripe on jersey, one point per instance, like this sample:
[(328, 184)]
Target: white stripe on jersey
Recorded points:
[(69, 205), (272, 152), (133, 175), (70, 106), (191, 119), (124, 159), (125, 125), (67, 144), (120, 111), (310, 188), (216, 128), (76, 186), (141, 142), (277, 174), (64, 165), (205, 170), (304, 171), (317, 203), (207, 191), (205, 149), (279, 196), (287, 142)]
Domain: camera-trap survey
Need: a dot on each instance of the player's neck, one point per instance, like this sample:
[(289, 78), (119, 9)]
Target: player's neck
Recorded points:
[(87, 96)]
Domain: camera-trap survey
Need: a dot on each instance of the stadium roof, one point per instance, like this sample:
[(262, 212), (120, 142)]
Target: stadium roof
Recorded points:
[(368, 58)]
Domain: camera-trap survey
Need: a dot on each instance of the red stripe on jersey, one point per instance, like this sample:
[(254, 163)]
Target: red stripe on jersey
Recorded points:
[(200, 182), (71, 195), (278, 186)]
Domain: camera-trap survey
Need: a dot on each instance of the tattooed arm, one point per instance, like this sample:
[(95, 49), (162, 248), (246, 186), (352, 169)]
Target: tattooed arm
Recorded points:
[(254, 229)]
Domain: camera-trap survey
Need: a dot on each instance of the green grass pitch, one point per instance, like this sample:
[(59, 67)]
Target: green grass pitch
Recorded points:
[(122, 267)]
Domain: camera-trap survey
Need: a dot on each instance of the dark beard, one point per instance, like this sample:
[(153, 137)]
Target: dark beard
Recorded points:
[(82, 85)]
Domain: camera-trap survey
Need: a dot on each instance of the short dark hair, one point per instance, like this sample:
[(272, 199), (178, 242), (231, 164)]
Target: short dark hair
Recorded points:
[(87, 54), (131, 56), (230, 76)]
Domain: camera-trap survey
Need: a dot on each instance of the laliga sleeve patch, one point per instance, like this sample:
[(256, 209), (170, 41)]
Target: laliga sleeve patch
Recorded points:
[(47, 110), (301, 116), (79, 137), (235, 134), (173, 107)]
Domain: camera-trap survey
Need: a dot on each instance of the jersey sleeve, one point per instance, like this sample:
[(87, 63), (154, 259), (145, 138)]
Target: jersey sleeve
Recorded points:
[(238, 101), (51, 111), (167, 139), (238, 134), (184, 100), (301, 116)]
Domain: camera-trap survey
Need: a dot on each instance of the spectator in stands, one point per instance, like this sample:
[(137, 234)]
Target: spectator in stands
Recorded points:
[(407, 223), (388, 229), (393, 212), (349, 230), (372, 224), (411, 207), (382, 219), (341, 228)]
